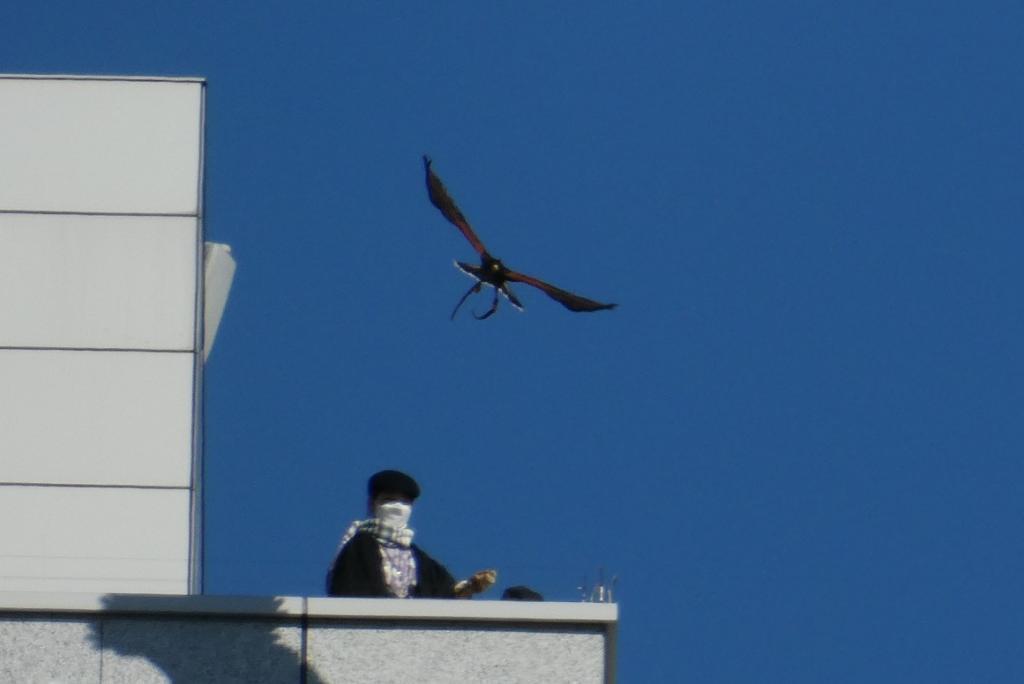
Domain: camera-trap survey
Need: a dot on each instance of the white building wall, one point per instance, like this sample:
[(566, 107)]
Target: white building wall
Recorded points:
[(100, 339)]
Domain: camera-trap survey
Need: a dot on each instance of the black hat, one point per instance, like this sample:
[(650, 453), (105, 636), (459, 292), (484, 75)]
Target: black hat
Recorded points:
[(392, 481)]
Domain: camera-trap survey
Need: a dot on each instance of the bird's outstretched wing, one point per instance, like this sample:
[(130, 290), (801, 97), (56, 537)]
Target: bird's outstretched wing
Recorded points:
[(570, 301), (440, 198)]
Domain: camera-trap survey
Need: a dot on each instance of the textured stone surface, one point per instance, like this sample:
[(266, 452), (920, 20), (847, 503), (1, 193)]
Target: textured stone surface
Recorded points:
[(48, 648), (136, 638), (137, 650), (450, 652)]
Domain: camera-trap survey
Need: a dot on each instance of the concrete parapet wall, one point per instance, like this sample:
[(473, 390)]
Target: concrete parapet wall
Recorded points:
[(137, 638)]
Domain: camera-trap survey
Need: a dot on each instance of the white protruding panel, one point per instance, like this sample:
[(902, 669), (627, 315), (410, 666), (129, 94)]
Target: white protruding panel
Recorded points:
[(101, 282), (70, 417), (107, 146), (219, 269), (94, 539)]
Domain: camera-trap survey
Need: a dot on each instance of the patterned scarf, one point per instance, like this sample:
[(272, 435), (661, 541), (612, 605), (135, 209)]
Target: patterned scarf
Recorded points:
[(383, 533), (397, 562)]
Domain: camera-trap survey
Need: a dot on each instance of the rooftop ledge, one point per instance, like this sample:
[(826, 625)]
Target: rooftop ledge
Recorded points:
[(102, 77), (306, 640), (312, 607)]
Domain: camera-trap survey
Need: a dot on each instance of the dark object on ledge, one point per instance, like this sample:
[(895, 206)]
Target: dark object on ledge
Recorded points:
[(521, 593)]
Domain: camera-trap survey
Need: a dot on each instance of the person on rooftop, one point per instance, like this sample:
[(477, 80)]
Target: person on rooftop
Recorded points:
[(377, 558)]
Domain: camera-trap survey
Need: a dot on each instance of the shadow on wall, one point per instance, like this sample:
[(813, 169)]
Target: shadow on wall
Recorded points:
[(154, 646)]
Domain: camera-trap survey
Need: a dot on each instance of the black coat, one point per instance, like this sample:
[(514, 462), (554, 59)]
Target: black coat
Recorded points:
[(358, 572)]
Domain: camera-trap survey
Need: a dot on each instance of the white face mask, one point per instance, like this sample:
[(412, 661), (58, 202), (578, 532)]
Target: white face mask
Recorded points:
[(393, 514)]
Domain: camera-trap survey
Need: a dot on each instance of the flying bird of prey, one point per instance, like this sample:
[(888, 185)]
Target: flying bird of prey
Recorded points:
[(491, 271)]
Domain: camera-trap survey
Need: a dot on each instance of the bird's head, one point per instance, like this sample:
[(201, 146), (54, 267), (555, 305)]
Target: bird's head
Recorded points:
[(491, 264)]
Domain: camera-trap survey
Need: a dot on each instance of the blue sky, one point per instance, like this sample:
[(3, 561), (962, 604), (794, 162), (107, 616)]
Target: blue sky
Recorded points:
[(797, 441)]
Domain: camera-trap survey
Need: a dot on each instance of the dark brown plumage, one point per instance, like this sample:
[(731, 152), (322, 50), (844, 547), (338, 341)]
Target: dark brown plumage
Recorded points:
[(491, 271)]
